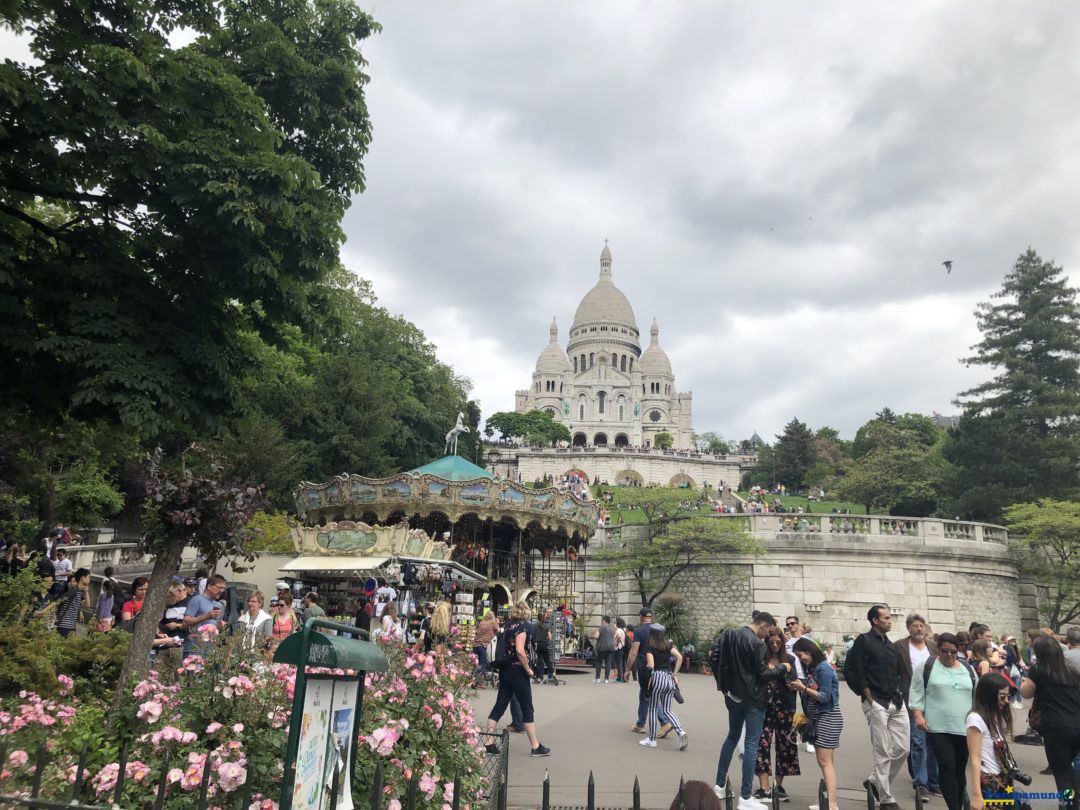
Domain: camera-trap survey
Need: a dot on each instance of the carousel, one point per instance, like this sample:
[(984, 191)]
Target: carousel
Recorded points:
[(456, 520)]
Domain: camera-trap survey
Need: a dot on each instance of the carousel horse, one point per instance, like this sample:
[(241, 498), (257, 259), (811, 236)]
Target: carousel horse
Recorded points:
[(452, 436)]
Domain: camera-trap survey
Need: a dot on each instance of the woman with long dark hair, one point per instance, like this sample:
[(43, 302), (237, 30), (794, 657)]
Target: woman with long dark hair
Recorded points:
[(779, 714), (1057, 686), (989, 725), (821, 689), (664, 660)]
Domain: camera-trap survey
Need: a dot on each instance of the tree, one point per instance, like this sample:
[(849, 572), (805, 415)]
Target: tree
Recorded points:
[(711, 442), (795, 453), (196, 504), (655, 560), (1019, 436), (900, 471), (156, 202), (1046, 537), (534, 427), (87, 497), (664, 440)]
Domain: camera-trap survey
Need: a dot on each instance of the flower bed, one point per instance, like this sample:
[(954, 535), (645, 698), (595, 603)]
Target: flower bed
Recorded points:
[(226, 723)]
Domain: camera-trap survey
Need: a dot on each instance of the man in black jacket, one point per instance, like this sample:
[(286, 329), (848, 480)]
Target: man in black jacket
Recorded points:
[(874, 672), (741, 676)]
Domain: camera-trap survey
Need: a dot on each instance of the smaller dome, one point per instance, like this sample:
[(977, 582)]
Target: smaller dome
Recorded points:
[(654, 360), (553, 359)]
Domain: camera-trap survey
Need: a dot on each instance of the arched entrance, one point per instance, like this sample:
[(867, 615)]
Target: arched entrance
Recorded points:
[(600, 440), (622, 440), (682, 480), (629, 478), (500, 594), (580, 440)]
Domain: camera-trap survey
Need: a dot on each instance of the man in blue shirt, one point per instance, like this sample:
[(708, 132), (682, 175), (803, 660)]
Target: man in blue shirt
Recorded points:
[(204, 608)]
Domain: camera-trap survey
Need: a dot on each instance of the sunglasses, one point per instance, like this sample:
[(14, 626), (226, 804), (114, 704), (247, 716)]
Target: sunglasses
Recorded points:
[(791, 624), (947, 652)]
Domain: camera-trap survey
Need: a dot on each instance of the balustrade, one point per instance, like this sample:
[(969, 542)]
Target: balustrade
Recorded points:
[(932, 529)]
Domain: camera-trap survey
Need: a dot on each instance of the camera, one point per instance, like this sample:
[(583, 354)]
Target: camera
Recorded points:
[(1019, 776)]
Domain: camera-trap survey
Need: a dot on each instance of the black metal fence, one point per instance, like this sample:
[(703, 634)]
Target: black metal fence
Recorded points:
[(79, 794)]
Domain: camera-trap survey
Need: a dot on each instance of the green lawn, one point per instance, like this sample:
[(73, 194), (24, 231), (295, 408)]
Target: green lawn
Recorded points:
[(814, 507)]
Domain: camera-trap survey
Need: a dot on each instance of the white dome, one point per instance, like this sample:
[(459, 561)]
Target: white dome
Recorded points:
[(553, 359), (605, 302), (654, 360)]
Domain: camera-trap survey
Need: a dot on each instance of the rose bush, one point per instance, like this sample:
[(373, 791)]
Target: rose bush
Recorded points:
[(228, 718)]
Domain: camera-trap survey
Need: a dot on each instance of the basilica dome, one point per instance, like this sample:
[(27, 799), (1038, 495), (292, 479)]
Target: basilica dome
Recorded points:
[(604, 303), (553, 359), (654, 360)]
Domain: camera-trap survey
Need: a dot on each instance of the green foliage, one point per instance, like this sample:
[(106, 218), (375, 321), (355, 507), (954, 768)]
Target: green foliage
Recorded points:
[(664, 440), (270, 533), (156, 202), (1046, 539), (670, 610), (711, 442), (86, 496), (670, 545), (535, 427), (794, 454), (1019, 436), (900, 469)]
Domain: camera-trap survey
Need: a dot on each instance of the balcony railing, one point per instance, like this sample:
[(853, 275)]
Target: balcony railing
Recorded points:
[(870, 525)]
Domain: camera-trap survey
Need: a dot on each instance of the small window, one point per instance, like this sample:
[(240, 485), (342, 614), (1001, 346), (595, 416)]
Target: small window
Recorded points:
[(581, 412), (592, 328), (592, 357), (575, 364), (622, 363), (600, 401)]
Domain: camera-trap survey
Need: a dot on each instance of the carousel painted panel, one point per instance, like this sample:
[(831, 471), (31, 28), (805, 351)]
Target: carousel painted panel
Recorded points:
[(478, 494)]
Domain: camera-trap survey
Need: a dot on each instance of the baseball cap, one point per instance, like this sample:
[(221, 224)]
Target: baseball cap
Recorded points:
[(176, 580), (645, 611), (191, 582), (282, 586)]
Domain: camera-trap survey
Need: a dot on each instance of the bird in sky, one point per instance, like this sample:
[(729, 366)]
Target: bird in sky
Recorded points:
[(948, 266)]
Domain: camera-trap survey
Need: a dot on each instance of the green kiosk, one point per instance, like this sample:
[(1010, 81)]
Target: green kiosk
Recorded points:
[(326, 708)]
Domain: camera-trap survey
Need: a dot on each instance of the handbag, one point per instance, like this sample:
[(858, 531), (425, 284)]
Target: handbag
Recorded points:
[(678, 695)]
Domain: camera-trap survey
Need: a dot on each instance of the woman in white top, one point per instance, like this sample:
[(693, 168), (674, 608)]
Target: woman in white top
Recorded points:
[(256, 624), (989, 725)]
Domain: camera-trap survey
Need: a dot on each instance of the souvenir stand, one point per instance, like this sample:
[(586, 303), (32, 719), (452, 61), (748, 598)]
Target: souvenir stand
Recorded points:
[(490, 539)]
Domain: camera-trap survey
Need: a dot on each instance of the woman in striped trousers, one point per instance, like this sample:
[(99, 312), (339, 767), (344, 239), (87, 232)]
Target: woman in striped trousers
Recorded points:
[(663, 659)]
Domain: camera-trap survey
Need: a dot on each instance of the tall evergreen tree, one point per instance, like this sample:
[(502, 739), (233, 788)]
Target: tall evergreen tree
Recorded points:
[(796, 453), (1019, 437)]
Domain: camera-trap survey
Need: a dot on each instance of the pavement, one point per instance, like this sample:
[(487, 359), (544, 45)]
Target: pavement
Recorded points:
[(587, 727)]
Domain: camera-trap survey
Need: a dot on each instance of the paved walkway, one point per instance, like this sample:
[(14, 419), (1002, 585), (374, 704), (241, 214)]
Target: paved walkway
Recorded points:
[(587, 726)]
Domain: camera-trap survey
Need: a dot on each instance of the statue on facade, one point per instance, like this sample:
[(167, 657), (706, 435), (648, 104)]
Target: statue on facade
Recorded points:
[(452, 436)]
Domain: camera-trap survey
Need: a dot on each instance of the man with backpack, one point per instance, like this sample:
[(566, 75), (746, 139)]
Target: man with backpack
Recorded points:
[(915, 650), (514, 656)]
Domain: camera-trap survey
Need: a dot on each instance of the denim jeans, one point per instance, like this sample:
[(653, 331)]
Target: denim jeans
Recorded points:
[(922, 764), (738, 715), (481, 661)]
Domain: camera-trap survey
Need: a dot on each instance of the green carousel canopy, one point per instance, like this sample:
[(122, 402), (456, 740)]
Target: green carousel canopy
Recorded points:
[(453, 487)]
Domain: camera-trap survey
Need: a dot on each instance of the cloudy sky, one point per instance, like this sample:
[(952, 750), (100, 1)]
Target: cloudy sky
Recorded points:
[(780, 184)]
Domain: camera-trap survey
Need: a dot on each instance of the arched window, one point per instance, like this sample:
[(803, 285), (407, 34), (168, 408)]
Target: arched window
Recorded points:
[(583, 361), (575, 364), (600, 401), (614, 360), (631, 364), (621, 416), (581, 412), (622, 363), (592, 357)]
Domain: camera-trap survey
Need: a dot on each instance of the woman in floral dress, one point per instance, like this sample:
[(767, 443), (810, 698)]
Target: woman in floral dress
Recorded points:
[(779, 713)]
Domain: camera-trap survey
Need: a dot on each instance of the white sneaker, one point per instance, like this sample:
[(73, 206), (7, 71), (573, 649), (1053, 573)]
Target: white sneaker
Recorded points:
[(605, 680), (750, 804), (648, 742), (596, 680), (719, 791), (809, 748)]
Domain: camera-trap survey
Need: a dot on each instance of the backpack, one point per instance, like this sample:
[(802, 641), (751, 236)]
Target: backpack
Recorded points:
[(505, 654), (929, 665)]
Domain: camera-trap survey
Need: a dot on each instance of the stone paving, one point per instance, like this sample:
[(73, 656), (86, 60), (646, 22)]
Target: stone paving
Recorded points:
[(587, 726)]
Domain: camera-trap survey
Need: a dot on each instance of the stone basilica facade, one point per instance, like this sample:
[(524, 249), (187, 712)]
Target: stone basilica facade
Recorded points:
[(603, 387)]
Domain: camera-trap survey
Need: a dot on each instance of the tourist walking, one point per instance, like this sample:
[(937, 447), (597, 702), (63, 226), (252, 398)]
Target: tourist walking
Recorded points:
[(515, 670), (872, 671), (989, 725), (621, 649), (74, 599), (941, 692), (423, 636), (914, 651), (545, 644), (662, 662), (1057, 686), (821, 692), (440, 627), (132, 607), (742, 676), (391, 630), (169, 642), (286, 622), (205, 608), (486, 631), (103, 611), (777, 726), (637, 662), (604, 637)]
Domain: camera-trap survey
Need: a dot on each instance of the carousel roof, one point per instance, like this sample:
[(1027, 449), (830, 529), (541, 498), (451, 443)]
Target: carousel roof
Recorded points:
[(453, 468), (451, 486)]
